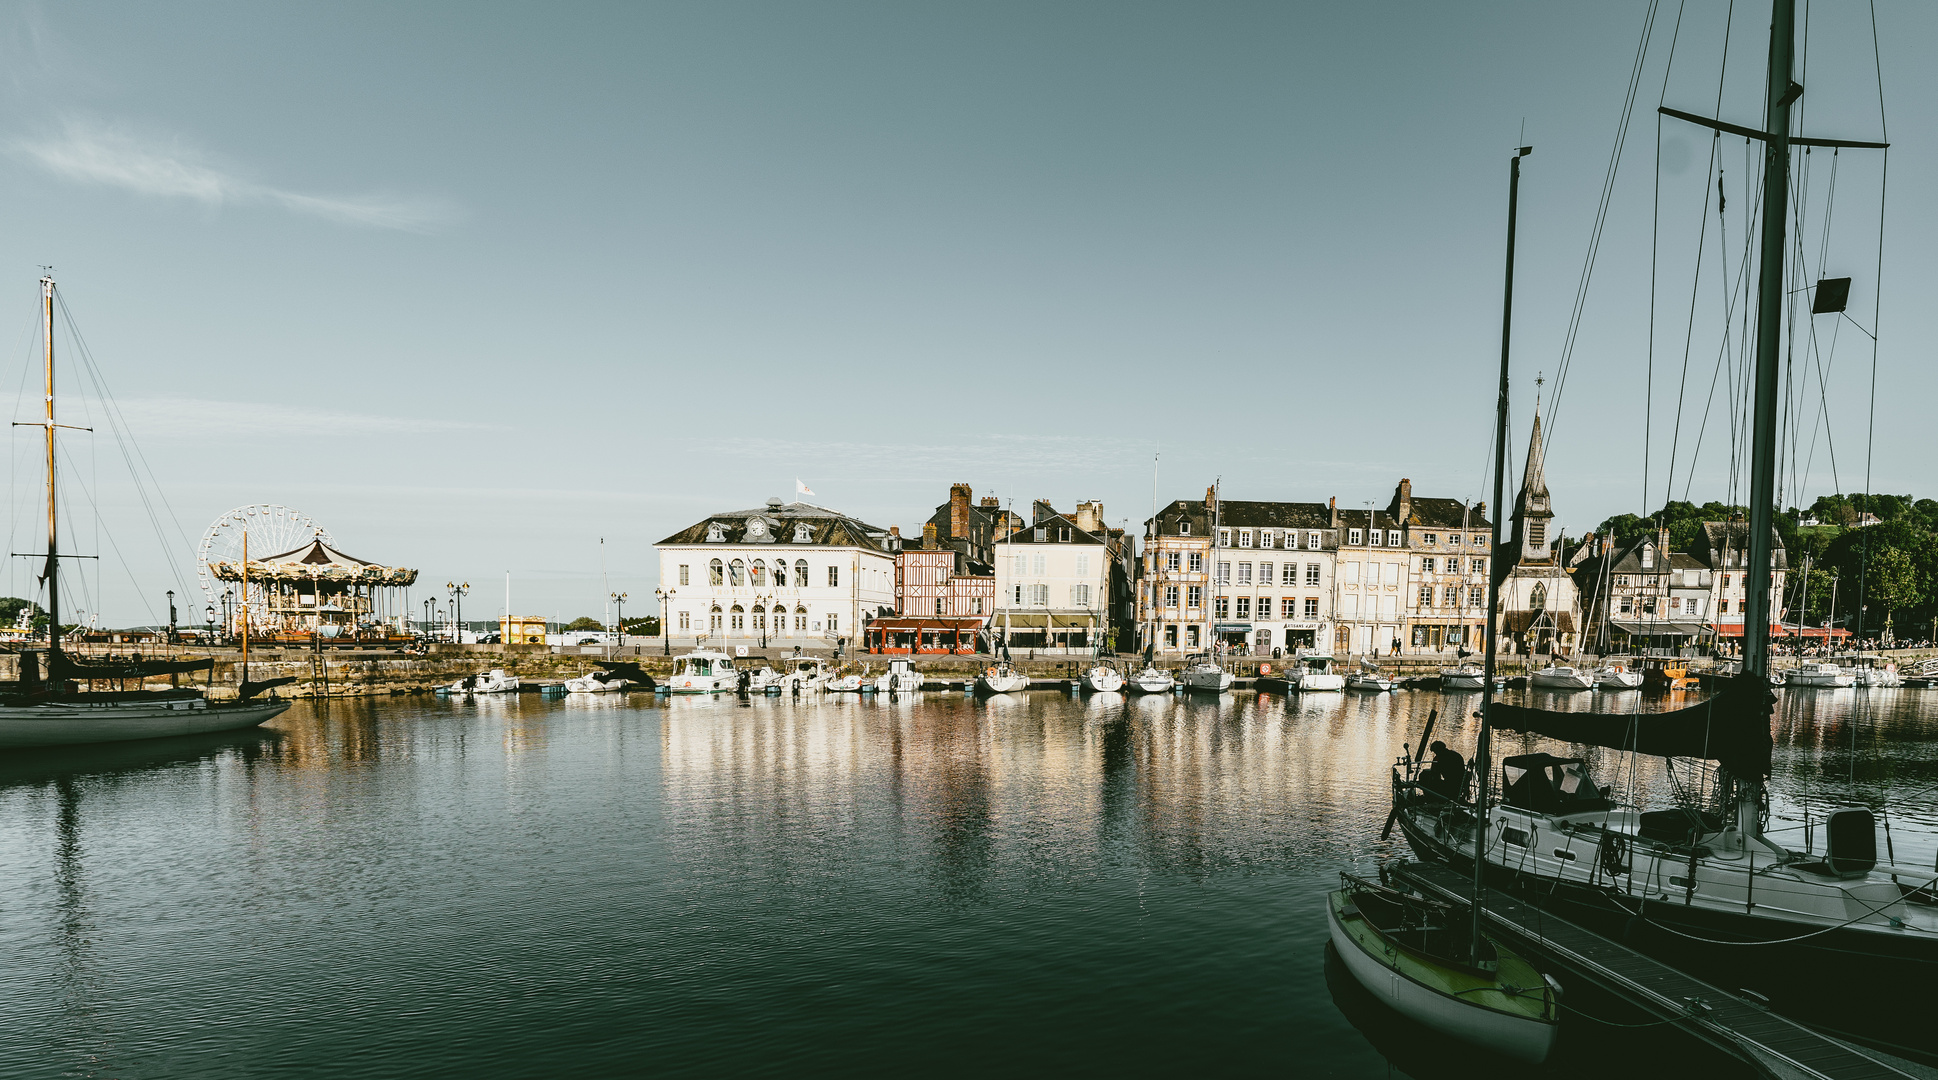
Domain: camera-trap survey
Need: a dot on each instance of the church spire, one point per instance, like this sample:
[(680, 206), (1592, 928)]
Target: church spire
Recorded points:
[(1532, 508)]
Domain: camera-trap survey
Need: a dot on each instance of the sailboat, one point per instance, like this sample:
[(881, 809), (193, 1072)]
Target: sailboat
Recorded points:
[(1420, 956), (1002, 677), (1833, 936), (1151, 679), (47, 707)]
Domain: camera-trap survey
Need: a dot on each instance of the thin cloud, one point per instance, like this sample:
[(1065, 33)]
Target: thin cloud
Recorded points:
[(93, 153), (184, 417)]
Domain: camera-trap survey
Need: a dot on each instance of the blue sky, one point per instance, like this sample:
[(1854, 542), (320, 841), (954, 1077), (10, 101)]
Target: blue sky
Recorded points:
[(476, 285)]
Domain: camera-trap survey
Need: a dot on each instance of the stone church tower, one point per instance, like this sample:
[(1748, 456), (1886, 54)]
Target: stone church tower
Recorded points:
[(1540, 607)]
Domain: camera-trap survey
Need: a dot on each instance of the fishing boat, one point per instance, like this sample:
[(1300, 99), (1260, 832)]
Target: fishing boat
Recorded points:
[(703, 671), (1102, 678), (1561, 677), (1203, 674), (1417, 956), (900, 678), (1001, 678), (1819, 676), (1828, 934), (1616, 677), (53, 702), (1315, 672)]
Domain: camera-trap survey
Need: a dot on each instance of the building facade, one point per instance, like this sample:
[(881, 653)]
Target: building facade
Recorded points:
[(1540, 608), (785, 574), (1175, 578), (1272, 588), (1444, 598), (1053, 583)]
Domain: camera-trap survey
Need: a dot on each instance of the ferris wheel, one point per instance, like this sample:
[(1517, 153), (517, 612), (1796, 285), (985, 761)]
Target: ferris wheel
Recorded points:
[(272, 528)]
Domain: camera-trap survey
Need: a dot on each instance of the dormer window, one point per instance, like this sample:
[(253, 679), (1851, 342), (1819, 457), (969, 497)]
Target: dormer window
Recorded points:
[(802, 534), (1648, 556), (1244, 538), (716, 532), (1224, 538), (1184, 528), (1042, 534), (1063, 534)]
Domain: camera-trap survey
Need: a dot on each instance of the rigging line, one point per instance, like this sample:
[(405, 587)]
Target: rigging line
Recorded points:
[(1655, 245), (95, 505), (1823, 415), (1601, 218), (1723, 349), (1689, 335), (1821, 422), (124, 442)]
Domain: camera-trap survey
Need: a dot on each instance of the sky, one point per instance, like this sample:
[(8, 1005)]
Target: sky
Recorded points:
[(489, 288)]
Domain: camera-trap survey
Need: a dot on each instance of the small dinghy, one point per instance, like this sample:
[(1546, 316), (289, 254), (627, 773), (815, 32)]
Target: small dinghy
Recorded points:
[(1417, 956)]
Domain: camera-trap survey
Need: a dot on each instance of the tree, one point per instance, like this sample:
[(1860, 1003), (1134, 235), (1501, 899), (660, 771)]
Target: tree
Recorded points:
[(585, 622), (12, 606)]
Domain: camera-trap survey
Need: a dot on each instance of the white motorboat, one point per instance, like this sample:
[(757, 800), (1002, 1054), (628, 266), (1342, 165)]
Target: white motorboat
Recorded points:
[(1001, 678), (1103, 679), (900, 678), (1819, 675), (495, 681), (1369, 679), (845, 684), (1205, 675), (765, 680), (1415, 955), (1877, 672), (1316, 673), (1153, 680), (1464, 677), (597, 682), (1616, 677), (1561, 677), (805, 675), (703, 671)]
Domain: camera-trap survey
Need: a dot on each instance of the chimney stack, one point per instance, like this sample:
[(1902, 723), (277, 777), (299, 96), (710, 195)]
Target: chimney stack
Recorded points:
[(1090, 517), (928, 535), (991, 502), (959, 511), (1211, 500), (1332, 508), (1405, 498)]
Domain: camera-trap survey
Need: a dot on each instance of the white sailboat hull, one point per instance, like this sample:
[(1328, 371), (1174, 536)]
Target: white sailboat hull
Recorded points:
[(66, 724), (1103, 680), (1818, 675), (1377, 684), (1210, 682), (1153, 681), (1561, 679), (1515, 1037), (1618, 680), (1321, 680)]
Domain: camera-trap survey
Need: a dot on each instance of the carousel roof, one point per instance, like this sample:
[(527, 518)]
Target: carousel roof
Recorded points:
[(316, 560)]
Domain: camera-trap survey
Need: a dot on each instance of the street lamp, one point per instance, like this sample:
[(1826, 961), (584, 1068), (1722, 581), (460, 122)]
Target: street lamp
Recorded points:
[(665, 597), (171, 616), (619, 613), (458, 592), (767, 605), (209, 626), (428, 601), (228, 617)]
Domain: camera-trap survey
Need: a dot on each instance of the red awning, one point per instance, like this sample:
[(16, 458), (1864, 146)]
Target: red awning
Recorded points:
[(1736, 630)]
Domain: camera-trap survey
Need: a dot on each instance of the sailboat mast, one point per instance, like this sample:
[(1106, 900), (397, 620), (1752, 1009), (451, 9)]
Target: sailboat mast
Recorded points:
[(1481, 766), (1769, 328), (53, 509)]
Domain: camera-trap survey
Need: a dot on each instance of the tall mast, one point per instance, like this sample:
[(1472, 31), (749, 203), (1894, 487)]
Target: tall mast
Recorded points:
[(1494, 553), (1769, 328), (53, 509)]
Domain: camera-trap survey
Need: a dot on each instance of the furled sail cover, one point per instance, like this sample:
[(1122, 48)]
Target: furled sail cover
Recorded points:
[(1731, 728), (66, 667)]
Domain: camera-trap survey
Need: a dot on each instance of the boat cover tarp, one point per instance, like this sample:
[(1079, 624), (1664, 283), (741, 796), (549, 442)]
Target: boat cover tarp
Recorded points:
[(65, 667), (250, 687), (1731, 728)]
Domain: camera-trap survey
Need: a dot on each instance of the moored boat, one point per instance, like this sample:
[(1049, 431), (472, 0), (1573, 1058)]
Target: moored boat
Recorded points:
[(494, 681), (1464, 677), (1205, 675), (1315, 672), (900, 678), (703, 671), (1616, 677), (1152, 680), (1103, 679), (597, 682), (1369, 678), (1001, 678), (1819, 675), (1561, 677), (1415, 955)]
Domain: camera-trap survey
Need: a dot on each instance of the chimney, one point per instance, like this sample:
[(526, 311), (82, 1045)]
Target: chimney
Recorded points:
[(928, 535), (991, 502), (1662, 541), (1404, 496), (1332, 507), (1480, 510), (1041, 509), (1211, 501), (1089, 517), (959, 510), (894, 538)]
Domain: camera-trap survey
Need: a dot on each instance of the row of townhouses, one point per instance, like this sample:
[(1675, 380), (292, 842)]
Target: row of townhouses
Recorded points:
[(1268, 578)]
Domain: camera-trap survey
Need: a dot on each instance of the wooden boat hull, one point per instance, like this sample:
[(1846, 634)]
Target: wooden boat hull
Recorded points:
[(68, 725), (1407, 983)]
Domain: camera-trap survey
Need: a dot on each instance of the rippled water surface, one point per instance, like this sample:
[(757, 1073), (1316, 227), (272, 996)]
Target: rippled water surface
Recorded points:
[(518, 887)]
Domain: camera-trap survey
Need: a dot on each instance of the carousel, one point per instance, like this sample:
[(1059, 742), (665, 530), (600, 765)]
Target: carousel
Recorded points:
[(306, 593)]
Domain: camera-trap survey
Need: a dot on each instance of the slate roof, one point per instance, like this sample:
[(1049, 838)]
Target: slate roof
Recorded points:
[(828, 528), (1050, 527)]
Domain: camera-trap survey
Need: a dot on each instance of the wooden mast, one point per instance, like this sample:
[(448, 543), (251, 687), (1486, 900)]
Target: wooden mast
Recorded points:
[(53, 509)]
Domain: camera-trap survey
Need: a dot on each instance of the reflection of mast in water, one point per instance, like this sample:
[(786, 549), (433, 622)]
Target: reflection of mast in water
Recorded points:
[(74, 923), (959, 801)]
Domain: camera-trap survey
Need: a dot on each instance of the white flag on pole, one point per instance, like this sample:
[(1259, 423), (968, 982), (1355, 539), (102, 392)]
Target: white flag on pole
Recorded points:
[(800, 488)]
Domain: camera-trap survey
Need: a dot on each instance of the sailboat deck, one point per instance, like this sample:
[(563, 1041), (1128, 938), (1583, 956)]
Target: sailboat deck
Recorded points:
[(1774, 1044)]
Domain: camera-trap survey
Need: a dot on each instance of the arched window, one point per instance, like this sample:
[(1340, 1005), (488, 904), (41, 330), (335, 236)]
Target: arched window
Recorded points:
[(715, 574), (802, 535), (760, 617), (1538, 599), (716, 532), (800, 618), (736, 573), (739, 617), (713, 619), (800, 575), (760, 573)]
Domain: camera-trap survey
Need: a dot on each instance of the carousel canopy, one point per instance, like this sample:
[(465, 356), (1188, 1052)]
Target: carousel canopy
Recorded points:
[(316, 561)]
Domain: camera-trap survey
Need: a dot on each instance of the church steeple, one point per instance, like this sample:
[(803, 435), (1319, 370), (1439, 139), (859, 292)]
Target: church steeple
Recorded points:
[(1532, 509)]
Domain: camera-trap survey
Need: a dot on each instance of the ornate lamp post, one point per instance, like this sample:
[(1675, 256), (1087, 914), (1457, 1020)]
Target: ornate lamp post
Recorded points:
[(171, 616), (228, 617), (767, 604), (458, 592), (208, 627), (665, 597), (619, 614)]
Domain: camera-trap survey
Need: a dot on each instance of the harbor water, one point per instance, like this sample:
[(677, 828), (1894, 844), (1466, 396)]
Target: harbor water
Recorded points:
[(516, 886)]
